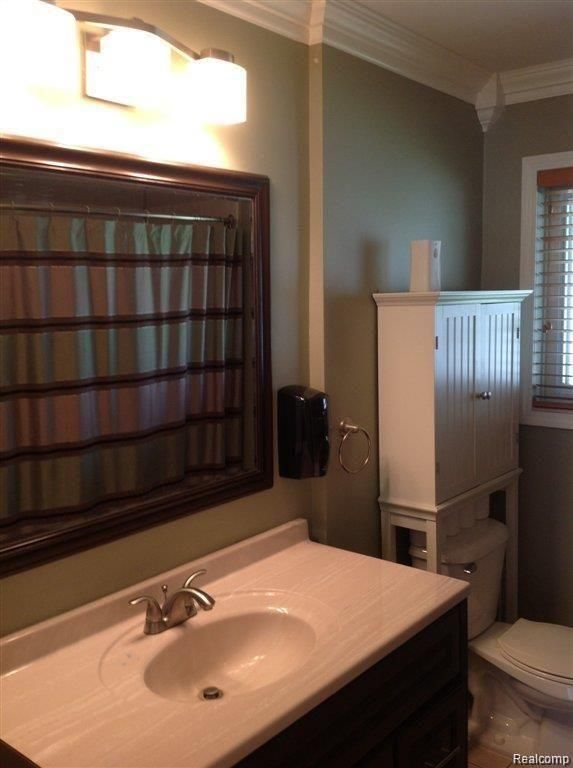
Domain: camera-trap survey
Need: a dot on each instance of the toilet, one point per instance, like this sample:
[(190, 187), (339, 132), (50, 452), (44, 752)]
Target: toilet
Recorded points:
[(521, 674)]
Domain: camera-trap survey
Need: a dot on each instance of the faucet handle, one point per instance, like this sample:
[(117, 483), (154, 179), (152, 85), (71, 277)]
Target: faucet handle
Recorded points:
[(153, 608), (194, 575)]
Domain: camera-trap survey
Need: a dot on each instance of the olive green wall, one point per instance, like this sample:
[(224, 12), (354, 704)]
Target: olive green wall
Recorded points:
[(532, 128), (401, 162), (272, 142), (546, 525), (397, 161), (546, 487)]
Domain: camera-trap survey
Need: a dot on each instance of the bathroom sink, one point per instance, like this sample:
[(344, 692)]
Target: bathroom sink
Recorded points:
[(293, 623), (248, 641)]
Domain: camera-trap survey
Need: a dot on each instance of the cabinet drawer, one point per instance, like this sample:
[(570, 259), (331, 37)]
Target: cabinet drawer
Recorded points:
[(355, 722)]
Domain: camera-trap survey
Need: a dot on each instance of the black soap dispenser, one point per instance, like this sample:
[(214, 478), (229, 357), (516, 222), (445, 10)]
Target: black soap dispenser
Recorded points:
[(302, 432)]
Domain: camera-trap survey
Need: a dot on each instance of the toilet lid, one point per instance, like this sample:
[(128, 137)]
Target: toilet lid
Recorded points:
[(546, 649)]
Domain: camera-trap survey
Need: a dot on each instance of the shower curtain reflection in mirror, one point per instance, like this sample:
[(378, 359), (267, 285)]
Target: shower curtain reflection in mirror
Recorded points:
[(122, 360)]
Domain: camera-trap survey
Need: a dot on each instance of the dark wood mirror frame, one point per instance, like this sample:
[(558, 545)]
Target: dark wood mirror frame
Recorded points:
[(42, 546)]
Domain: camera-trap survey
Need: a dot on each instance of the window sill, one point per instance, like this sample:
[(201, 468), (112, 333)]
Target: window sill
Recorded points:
[(555, 419)]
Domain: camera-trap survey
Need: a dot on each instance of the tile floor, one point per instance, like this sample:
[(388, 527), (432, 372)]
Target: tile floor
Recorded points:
[(479, 757)]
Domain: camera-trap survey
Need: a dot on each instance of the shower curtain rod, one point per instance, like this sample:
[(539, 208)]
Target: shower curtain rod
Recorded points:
[(229, 221)]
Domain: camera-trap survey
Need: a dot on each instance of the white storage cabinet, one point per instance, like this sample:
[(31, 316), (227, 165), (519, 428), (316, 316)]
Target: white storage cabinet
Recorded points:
[(448, 390)]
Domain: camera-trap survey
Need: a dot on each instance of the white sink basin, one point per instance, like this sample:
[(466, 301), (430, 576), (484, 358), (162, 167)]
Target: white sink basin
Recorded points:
[(294, 621), (248, 641)]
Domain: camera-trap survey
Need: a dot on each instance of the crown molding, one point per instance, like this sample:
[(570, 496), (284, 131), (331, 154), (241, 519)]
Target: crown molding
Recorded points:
[(316, 21), (354, 28), (490, 103), (289, 18), (539, 82)]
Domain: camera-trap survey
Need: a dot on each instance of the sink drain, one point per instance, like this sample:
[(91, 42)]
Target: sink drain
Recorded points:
[(211, 692)]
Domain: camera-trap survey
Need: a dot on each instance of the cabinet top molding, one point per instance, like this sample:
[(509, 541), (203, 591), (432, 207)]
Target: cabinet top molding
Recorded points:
[(433, 298)]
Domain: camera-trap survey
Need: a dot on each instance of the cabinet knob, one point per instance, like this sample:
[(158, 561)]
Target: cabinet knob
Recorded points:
[(485, 395)]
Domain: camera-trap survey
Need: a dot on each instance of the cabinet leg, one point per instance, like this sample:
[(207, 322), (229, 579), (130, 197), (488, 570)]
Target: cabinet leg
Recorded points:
[(511, 552), (388, 536), (433, 547)]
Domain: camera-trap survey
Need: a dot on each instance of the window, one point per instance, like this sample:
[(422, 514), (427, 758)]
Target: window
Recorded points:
[(547, 268)]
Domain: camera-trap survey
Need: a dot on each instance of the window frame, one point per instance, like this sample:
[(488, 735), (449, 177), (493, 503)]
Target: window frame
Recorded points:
[(529, 169)]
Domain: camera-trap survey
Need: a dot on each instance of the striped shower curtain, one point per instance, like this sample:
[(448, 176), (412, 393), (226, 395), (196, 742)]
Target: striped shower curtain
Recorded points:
[(120, 360)]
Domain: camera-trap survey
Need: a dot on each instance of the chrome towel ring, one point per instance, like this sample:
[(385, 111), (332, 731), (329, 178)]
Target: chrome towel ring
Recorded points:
[(345, 429)]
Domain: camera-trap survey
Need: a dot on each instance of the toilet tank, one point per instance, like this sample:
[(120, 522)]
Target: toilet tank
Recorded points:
[(475, 555)]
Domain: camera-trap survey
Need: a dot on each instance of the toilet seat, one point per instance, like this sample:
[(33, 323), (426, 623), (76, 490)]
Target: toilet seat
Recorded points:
[(487, 646), (540, 673), (544, 649)]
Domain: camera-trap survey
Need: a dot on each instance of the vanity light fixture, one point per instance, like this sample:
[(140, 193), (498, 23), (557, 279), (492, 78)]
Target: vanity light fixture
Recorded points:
[(220, 87), (125, 61), (38, 48), (131, 67), (130, 62)]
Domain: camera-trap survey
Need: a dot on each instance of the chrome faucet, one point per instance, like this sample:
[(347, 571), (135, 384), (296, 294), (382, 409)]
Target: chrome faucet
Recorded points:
[(176, 608)]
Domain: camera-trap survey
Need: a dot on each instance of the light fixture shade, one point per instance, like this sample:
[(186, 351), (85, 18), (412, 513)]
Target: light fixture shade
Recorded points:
[(218, 90), (39, 48), (132, 67)]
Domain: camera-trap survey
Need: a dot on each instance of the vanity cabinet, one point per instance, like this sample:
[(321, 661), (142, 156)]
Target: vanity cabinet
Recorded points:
[(448, 404), (409, 710), (11, 758)]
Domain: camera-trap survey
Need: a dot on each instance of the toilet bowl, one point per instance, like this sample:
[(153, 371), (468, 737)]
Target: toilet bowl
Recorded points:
[(521, 708), (520, 675)]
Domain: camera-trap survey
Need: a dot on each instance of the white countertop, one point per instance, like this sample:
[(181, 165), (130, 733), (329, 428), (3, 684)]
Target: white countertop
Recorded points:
[(59, 709)]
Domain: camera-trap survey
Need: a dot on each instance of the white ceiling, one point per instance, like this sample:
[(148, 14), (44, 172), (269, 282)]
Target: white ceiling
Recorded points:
[(494, 34)]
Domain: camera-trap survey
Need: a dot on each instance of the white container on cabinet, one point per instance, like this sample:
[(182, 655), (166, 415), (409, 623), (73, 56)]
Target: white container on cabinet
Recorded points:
[(425, 265)]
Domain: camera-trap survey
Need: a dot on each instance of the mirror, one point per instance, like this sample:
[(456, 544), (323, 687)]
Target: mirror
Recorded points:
[(135, 343)]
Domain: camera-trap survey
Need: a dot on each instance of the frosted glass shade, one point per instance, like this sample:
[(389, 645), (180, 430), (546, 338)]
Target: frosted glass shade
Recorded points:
[(131, 68), (39, 47), (218, 91)]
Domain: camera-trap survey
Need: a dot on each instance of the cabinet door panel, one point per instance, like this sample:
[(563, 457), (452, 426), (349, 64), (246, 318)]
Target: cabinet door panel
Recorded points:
[(456, 469), (436, 738), (355, 726), (497, 417), (381, 757)]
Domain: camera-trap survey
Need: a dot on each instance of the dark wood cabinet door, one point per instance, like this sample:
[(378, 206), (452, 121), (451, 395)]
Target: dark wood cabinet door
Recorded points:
[(359, 725), (437, 736), (380, 757)]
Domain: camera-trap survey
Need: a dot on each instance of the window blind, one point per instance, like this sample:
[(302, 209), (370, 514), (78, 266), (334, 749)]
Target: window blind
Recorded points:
[(553, 292)]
